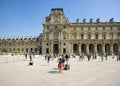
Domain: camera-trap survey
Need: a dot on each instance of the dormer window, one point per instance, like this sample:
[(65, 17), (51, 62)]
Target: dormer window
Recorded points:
[(47, 27), (74, 28), (55, 27)]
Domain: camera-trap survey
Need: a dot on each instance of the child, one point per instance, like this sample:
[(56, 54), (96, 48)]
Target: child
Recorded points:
[(60, 65)]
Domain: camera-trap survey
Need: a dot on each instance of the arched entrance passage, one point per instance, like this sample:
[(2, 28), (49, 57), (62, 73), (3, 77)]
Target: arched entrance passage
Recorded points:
[(91, 48), (115, 49), (75, 48), (107, 48), (83, 48), (99, 49), (55, 48)]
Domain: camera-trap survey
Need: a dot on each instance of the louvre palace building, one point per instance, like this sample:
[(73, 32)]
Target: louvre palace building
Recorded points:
[(61, 36)]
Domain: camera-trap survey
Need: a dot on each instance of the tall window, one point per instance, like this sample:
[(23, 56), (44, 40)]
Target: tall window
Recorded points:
[(118, 28), (104, 36), (81, 28), (89, 28), (47, 27), (64, 36), (47, 36), (103, 28), (56, 36), (89, 36), (96, 36), (74, 28), (111, 28), (75, 36), (56, 27), (64, 27), (96, 28), (111, 36), (82, 36)]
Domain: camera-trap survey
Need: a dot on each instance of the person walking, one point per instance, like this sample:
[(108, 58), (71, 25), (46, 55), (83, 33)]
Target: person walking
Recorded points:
[(60, 65), (30, 61)]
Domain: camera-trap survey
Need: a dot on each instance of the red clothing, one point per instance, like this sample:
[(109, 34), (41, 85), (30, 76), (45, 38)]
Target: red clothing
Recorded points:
[(59, 65)]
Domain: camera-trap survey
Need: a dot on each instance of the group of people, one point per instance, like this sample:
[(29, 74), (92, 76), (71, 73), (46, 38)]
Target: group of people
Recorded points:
[(103, 56), (62, 59)]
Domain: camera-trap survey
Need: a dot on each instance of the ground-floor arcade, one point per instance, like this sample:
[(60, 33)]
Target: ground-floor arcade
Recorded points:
[(81, 47)]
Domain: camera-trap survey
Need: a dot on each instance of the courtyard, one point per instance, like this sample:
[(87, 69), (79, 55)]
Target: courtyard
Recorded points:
[(15, 71)]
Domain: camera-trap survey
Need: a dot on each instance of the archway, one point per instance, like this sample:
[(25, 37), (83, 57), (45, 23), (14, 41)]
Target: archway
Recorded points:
[(115, 49), (55, 48), (99, 49), (83, 48), (91, 48), (75, 48), (107, 48)]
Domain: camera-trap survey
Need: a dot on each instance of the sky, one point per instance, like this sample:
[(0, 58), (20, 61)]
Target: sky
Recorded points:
[(25, 17)]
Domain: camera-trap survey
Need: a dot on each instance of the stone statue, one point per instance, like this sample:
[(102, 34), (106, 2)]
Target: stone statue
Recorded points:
[(77, 20), (98, 20), (111, 20), (84, 20), (91, 20)]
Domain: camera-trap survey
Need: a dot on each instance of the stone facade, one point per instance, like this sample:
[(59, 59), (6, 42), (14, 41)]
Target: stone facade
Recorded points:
[(60, 36)]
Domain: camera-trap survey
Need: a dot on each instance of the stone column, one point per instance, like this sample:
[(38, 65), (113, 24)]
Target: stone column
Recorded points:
[(87, 48), (60, 47), (49, 47), (111, 48), (95, 48), (71, 47), (119, 48), (79, 47), (43, 48), (52, 47), (103, 48)]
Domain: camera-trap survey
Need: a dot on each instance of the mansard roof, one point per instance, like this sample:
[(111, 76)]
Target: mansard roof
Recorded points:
[(22, 38)]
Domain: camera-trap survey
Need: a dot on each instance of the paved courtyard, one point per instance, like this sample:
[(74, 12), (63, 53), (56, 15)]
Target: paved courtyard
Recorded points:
[(15, 71)]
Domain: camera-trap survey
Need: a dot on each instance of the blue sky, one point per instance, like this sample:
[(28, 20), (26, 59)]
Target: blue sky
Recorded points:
[(25, 17)]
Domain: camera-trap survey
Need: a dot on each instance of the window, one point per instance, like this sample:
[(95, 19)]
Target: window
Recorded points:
[(89, 36), (56, 36), (18, 44), (82, 36), (47, 44), (47, 36), (10, 44), (47, 27), (81, 28), (111, 28), (111, 36), (89, 28), (96, 36), (118, 28), (74, 28), (64, 27), (104, 36), (74, 36), (56, 27), (96, 28), (103, 28), (64, 36)]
